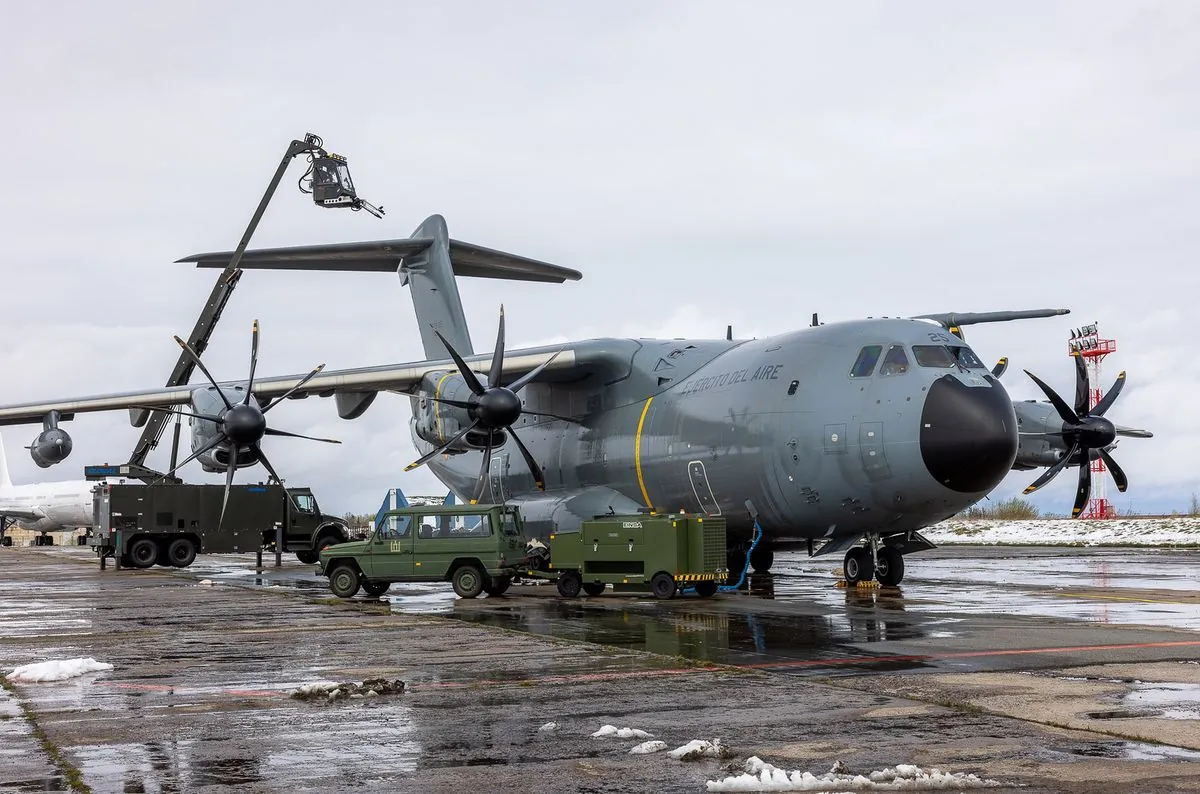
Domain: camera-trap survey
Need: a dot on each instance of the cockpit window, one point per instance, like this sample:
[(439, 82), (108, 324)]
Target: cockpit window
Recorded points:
[(864, 365), (967, 358), (895, 362), (933, 356)]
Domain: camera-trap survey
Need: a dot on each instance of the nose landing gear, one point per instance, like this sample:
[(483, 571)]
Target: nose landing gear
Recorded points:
[(884, 563)]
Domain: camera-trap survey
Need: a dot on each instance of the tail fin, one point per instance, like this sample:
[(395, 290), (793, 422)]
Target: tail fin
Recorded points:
[(427, 262), (394, 499), (5, 480)]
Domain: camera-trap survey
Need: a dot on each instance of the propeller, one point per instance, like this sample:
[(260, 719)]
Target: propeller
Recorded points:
[(492, 408), (1084, 429), (241, 424)]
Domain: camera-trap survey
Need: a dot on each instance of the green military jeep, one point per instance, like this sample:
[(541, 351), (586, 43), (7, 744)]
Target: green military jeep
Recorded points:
[(475, 547)]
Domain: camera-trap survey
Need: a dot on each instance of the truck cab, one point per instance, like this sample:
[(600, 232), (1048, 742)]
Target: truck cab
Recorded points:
[(475, 547), (310, 530)]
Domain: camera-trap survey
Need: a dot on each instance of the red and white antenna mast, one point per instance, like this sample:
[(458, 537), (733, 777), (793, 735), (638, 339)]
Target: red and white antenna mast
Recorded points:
[(1086, 342)]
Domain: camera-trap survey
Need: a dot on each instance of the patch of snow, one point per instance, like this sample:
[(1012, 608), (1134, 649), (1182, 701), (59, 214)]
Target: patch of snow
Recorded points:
[(548, 727), (700, 748), (312, 689), (205, 581), (761, 776), (646, 748), (621, 733), (1169, 531), (56, 670)]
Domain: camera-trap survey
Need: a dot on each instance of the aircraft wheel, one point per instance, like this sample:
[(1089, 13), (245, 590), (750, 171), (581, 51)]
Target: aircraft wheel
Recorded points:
[(889, 566), (181, 553), (498, 586), (468, 581), (375, 589), (143, 553), (761, 558), (857, 565), (663, 585), (706, 589), (569, 584), (593, 588), (307, 557), (344, 581)]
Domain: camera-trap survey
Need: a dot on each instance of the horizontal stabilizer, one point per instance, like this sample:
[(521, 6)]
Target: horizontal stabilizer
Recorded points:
[(384, 256)]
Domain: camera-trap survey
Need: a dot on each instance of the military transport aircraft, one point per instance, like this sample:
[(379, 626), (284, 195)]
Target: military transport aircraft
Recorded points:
[(835, 433)]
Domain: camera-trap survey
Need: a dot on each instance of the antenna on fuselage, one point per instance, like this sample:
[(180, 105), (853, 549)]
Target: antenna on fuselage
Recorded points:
[(815, 321), (729, 333)]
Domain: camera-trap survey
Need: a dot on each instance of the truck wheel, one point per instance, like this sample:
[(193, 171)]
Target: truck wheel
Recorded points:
[(498, 586), (706, 589), (593, 588), (344, 581), (663, 585), (569, 584), (306, 557), (375, 589), (468, 581), (143, 553), (182, 552)]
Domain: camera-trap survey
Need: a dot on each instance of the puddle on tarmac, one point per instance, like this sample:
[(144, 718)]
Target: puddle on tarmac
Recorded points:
[(1170, 701), (1130, 751)]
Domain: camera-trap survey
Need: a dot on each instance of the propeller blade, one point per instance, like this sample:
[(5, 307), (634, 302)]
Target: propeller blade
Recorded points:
[(520, 382), (266, 463), (194, 455), (472, 382), (1052, 472), (430, 455), (552, 416), (1132, 432), (1000, 368), (196, 360), (228, 483), (1118, 474), (1064, 410), (1109, 397), (1082, 389), (534, 468), (205, 417), (292, 390), (270, 431), (497, 370), (1085, 484), (484, 470), (253, 362), (455, 403)]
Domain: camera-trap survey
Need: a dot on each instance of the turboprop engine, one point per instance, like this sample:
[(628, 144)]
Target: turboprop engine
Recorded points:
[(439, 423), (52, 445)]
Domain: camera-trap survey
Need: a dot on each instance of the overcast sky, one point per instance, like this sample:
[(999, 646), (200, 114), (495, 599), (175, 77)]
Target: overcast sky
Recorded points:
[(701, 163)]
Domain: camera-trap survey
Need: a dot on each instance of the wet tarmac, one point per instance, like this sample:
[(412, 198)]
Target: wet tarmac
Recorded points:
[(1044, 669)]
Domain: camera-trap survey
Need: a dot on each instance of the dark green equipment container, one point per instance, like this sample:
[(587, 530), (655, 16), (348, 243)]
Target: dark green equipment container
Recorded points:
[(659, 553)]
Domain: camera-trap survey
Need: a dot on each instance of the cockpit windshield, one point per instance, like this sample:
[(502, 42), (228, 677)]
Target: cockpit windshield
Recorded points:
[(933, 356), (967, 358)]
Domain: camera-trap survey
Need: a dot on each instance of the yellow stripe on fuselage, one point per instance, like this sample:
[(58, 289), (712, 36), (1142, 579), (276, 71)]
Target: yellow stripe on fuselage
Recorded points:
[(637, 453)]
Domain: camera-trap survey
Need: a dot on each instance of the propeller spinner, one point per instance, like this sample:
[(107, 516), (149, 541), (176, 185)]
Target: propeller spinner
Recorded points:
[(492, 409)]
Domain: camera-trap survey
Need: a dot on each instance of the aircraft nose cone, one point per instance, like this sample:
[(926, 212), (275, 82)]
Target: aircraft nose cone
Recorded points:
[(968, 434)]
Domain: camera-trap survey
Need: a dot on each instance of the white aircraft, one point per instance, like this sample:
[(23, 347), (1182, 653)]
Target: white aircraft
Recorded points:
[(43, 507)]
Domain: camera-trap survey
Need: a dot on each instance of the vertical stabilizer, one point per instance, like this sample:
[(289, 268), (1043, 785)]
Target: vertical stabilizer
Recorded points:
[(429, 274), (5, 480)]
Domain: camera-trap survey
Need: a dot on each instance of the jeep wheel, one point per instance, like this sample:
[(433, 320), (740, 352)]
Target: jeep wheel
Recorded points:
[(593, 588), (468, 581), (344, 580), (375, 589), (663, 585), (143, 553), (569, 584), (498, 586)]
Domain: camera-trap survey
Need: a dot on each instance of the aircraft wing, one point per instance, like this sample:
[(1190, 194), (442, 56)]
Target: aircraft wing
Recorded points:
[(390, 377)]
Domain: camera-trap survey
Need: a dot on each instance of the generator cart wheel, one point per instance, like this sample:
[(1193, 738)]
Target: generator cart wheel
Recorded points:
[(706, 589), (344, 580), (375, 589), (593, 588), (307, 557), (143, 553), (663, 585), (498, 585), (181, 553), (569, 584), (468, 581)]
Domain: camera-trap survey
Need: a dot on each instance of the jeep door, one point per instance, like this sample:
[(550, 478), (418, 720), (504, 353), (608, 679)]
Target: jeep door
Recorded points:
[(390, 554)]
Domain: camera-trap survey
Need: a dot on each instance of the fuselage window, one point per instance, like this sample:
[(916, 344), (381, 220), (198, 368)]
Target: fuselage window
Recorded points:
[(933, 356), (864, 365), (966, 356), (895, 362)]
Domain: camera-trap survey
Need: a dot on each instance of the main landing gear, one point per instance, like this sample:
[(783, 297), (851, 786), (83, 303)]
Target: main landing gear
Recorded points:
[(884, 563)]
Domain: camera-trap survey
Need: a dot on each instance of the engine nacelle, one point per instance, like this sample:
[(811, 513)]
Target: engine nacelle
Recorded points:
[(437, 422), (50, 447)]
